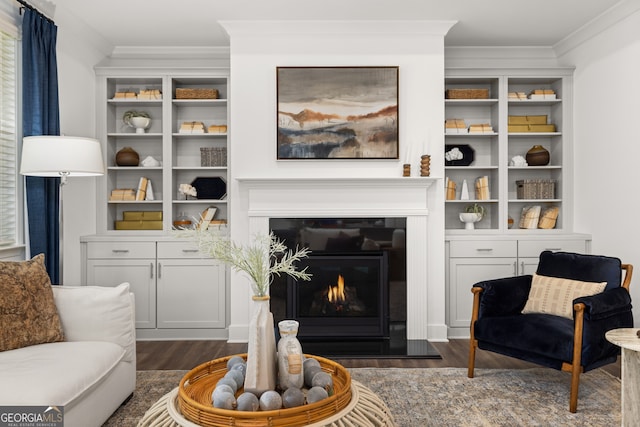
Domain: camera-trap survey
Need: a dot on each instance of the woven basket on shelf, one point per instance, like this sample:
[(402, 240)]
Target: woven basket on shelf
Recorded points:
[(467, 94), (194, 399), (196, 93)]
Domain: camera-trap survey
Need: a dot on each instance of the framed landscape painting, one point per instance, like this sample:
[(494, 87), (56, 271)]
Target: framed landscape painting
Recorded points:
[(337, 112)]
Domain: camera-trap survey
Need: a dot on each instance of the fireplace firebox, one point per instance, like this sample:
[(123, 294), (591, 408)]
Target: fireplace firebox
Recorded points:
[(347, 296)]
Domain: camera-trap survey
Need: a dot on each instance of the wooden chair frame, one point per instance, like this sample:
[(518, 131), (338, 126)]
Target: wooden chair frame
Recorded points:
[(575, 368)]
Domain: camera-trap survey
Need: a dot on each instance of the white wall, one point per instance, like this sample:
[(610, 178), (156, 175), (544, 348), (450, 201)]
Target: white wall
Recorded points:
[(257, 48), (606, 142), (78, 49)]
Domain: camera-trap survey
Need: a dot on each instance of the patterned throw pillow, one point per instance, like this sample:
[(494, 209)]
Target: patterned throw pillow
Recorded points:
[(28, 314), (555, 295)]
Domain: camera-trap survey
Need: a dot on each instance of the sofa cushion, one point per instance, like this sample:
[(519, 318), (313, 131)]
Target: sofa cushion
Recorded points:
[(28, 314), (55, 373), (97, 313), (555, 295)]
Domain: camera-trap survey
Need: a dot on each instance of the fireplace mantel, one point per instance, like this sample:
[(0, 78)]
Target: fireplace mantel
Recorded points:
[(339, 197)]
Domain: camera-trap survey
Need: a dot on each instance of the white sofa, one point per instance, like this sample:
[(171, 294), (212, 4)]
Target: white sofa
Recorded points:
[(92, 372)]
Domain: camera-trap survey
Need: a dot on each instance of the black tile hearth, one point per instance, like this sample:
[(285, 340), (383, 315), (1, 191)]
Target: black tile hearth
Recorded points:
[(395, 347)]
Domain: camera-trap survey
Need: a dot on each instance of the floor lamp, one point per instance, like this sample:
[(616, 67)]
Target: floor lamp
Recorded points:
[(61, 156)]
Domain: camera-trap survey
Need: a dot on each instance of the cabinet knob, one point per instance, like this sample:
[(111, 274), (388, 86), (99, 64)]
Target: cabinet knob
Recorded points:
[(484, 249), (151, 269), (189, 251), (120, 251)]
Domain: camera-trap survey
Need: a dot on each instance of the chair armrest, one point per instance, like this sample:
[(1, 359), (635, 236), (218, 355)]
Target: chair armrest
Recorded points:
[(503, 297), (606, 304), (98, 313)]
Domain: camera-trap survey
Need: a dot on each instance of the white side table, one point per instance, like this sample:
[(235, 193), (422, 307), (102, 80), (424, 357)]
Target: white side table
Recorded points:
[(627, 338)]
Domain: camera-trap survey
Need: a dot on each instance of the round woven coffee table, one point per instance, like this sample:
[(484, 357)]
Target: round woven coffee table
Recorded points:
[(365, 409)]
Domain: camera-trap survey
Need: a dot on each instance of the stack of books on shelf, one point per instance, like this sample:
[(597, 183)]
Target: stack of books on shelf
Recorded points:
[(542, 95), (125, 95), (533, 217), (455, 126), (450, 188), (140, 220), (217, 129), (481, 128), (192, 127), (517, 96), (150, 94), (122, 194), (145, 189), (482, 188), (207, 219), (530, 124), (143, 94)]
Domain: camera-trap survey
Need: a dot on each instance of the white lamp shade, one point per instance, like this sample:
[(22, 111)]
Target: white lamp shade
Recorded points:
[(52, 155)]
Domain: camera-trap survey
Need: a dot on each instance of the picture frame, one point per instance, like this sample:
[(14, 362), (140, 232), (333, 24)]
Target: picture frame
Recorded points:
[(337, 113)]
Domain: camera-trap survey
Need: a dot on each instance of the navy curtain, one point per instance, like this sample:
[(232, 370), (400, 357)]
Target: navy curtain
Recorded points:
[(41, 116)]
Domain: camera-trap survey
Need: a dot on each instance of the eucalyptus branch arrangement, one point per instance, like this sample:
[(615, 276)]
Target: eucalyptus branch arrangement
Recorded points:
[(260, 260)]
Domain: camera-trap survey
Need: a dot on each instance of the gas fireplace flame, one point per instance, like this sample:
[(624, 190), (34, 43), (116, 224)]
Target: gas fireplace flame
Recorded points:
[(336, 292)]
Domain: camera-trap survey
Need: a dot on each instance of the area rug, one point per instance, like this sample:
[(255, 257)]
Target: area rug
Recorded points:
[(445, 397)]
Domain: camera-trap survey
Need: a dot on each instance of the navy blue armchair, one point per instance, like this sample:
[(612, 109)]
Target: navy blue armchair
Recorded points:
[(573, 345)]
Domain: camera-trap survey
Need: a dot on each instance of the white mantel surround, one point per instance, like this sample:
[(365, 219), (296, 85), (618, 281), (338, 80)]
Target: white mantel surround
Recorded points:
[(357, 198), (261, 186)]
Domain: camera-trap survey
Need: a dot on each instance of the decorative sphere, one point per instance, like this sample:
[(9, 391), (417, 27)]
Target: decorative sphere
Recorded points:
[(248, 402), (225, 401), (292, 397), (228, 381), (270, 400), (316, 394), (233, 361), (235, 375)]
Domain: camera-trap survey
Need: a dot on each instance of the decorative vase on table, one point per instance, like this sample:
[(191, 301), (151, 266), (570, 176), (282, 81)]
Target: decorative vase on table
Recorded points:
[(261, 353), (290, 357)]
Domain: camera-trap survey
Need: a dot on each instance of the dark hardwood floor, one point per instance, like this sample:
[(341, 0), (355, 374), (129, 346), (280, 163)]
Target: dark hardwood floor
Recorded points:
[(165, 355)]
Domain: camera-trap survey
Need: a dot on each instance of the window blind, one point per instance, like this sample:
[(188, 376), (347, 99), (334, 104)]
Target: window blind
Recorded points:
[(8, 140)]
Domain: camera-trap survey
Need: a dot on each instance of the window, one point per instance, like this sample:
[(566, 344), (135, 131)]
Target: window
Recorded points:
[(8, 140)]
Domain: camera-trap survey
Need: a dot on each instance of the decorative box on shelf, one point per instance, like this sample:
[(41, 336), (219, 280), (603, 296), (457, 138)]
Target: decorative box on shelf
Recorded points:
[(213, 156), (536, 188)]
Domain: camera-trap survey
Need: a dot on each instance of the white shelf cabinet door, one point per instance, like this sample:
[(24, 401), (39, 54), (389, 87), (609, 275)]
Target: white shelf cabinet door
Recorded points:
[(463, 274), (191, 293), (140, 273)]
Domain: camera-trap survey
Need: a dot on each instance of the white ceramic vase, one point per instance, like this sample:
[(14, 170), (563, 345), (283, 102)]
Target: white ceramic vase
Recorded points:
[(261, 354)]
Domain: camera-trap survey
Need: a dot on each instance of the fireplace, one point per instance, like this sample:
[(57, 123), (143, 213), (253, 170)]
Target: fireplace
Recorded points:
[(354, 262), (347, 296), (420, 295)]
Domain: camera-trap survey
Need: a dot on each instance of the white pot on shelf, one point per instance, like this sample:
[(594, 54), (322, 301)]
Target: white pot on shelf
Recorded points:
[(139, 123), (469, 219)]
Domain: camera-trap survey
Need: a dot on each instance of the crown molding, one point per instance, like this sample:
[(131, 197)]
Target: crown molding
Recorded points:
[(599, 24), (323, 27), (170, 52)]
